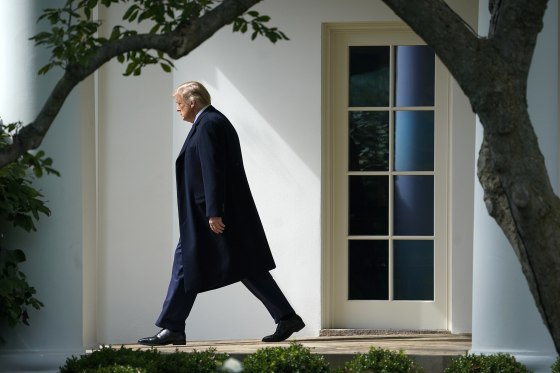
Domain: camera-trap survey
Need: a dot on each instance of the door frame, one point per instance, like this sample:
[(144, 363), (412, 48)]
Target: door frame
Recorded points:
[(329, 31)]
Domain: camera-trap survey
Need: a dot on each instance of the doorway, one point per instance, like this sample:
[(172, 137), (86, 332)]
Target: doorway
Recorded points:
[(385, 154)]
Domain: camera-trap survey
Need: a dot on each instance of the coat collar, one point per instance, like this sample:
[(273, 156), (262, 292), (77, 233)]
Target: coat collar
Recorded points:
[(195, 126)]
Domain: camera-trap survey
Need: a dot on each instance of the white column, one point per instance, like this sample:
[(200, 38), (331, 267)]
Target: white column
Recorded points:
[(505, 317), (54, 252)]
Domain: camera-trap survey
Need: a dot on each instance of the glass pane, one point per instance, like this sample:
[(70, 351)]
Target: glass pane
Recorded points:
[(413, 270), (414, 141), (368, 205), (368, 263), (368, 146), (414, 206), (369, 76), (414, 76)]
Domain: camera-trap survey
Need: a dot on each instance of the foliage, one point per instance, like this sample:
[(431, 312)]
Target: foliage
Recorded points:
[(108, 359), (20, 203), (15, 293), (73, 33), (555, 368), (381, 360), (116, 369), (295, 358), (498, 363), (20, 206), (257, 24)]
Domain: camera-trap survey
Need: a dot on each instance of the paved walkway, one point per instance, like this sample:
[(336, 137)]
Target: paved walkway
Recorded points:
[(431, 350)]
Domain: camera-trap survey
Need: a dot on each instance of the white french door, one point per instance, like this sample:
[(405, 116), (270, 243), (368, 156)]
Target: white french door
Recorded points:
[(386, 194)]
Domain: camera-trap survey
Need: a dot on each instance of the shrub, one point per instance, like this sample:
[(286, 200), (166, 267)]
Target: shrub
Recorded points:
[(295, 358), (117, 369), (125, 360), (20, 206), (555, 368), (498, 363), (380, 360)]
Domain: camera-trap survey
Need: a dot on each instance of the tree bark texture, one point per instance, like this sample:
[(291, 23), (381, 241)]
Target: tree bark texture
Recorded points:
[(175, 44), (493, 71)]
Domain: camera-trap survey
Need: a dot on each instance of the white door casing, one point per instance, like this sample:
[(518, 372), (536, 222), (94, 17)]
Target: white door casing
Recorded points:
[(389, 313)]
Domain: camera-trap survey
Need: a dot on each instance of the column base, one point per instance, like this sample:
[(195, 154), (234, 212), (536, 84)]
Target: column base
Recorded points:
[(32, 361)]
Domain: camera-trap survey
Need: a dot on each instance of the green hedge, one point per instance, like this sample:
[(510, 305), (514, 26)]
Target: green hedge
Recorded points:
[(380, 360), (498, 363), (124, 360), (294, 358)]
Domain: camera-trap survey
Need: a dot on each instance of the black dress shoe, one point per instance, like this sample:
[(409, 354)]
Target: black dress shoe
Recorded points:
[(285, 329), (164, 337)]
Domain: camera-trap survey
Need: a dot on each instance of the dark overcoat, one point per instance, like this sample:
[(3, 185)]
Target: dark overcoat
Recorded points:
[(211, 181)]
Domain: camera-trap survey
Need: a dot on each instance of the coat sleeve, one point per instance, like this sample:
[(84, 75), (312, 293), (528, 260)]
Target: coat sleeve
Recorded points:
[(212, 153)]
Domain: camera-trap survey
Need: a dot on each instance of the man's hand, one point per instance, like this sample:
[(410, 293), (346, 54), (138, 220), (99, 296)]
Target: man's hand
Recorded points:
[(216, 224)]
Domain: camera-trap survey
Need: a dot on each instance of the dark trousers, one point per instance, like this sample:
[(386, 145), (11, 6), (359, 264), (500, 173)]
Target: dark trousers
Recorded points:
[(178, 303)]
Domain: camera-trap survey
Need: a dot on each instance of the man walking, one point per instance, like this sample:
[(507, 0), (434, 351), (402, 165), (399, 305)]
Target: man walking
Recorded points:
[(222, 240)]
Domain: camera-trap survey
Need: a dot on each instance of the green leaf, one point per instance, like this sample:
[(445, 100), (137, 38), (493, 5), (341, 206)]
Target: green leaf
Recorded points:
[(87, 12), (41, 37), (38, 171), (155, 28), (131, 13), (45, 69), (14, 256), (165, 67), (115, 33), (130, 68)]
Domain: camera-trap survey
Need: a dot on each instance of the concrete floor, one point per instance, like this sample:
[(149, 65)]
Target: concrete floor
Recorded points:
[(433, 351)]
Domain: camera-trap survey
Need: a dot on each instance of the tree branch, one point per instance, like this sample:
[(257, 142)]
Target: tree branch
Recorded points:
[(514, 27), (176, 44), (440, 27)]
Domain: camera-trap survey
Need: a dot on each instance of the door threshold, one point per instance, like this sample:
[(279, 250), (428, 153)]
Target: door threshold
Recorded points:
[(354, 332)]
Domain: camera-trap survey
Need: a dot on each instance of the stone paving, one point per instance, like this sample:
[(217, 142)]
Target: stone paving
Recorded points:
[(431, 350)]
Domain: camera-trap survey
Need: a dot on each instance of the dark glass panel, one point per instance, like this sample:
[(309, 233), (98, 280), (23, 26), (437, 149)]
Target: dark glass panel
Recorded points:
[(414, 141), (368, 270), (414, 76), (369, 76), (368, 146), (413, 270), (368, 205), (414, 206)]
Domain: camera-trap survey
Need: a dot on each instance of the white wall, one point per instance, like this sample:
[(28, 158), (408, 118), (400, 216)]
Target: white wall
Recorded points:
[(135, 186), (462, 155), (272, 95)]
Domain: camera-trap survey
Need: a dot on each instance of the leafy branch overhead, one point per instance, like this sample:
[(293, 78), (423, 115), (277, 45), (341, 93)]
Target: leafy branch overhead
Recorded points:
[(176, 27), (73, 36)]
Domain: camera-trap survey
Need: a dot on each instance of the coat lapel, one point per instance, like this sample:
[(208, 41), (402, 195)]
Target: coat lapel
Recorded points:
[(193, 129)]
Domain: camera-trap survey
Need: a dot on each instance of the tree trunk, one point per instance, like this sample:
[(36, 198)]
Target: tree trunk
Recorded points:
[(518, 195), (493, 74)]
